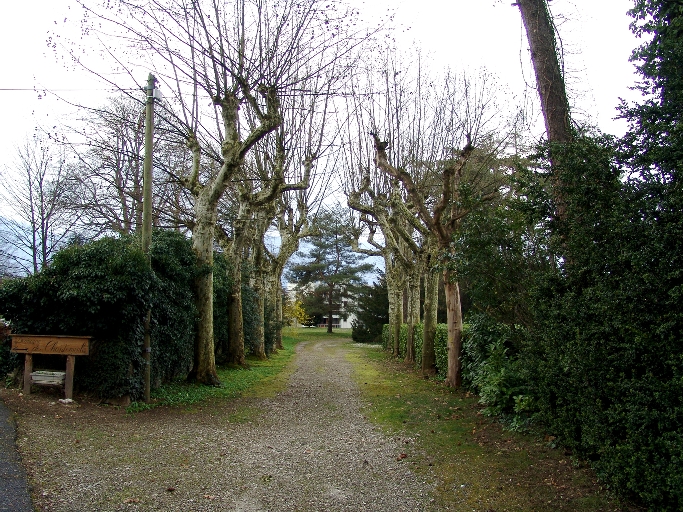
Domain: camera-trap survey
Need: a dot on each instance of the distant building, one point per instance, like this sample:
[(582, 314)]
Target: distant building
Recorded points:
[(343, 319)]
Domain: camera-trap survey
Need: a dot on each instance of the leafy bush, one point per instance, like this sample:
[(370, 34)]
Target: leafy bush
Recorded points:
[(372, 312), (104, 289), (402, 340), (222, 288), (492, 368), (440, 344), (8, 360), (174, 315), (386, 336)]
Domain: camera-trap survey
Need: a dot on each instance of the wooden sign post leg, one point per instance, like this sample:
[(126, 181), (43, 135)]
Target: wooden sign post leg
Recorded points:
[(69, 378), (28, 368)]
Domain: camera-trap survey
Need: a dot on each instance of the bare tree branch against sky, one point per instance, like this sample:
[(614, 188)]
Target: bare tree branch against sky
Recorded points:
[(460, 33)]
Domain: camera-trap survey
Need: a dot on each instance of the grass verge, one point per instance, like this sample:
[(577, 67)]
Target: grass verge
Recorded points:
[(477, 464), (261, 378)]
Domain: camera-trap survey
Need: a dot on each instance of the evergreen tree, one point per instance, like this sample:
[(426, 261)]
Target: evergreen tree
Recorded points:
[(329, 269), (372, 311)]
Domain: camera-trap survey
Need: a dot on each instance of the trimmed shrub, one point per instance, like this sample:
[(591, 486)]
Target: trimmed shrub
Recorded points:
[(104, 289), (402, 340), (386, 336), (174, 315)]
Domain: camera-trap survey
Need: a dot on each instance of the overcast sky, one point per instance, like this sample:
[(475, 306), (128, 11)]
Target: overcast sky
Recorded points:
[(462, 34)]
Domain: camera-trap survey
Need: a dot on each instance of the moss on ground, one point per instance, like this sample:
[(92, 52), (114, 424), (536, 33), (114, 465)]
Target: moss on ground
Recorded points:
[(478, 465)]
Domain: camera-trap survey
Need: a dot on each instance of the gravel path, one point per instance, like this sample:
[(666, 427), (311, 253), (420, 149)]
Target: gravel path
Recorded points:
[(308, 448)]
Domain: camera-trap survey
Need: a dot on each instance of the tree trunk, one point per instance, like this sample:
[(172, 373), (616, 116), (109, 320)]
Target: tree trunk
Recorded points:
[(413, 313), (431, 304), (550, 84), (397, 322), (549, 79), (454, 315), (275, 301), (330, 306), (204, 370), (260, 334), (236, 330)]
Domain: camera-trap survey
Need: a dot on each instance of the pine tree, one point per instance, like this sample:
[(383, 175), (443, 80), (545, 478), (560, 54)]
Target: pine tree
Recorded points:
[(329, 269)]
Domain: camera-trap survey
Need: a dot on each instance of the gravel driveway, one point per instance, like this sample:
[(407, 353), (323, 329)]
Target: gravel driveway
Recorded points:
[(309, 448)]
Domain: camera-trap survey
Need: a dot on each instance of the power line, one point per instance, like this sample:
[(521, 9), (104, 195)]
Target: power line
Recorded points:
[(45, 89)]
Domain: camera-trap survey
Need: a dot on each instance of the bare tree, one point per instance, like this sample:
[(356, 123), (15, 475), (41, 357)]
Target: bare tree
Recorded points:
[(108, 176), (242, 58), (36, 219), (426, 120)]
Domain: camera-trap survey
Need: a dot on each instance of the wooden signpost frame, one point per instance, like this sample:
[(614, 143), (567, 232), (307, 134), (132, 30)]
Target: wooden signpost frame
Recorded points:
[(69, 346)]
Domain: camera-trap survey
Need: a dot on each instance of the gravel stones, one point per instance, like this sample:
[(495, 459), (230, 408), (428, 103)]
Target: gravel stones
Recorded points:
[(309, 448)]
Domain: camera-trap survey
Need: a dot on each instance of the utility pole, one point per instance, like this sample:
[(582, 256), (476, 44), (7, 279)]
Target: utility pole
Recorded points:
[(147, 219)]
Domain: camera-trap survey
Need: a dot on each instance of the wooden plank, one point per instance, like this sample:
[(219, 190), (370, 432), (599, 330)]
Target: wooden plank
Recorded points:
[(28, 368), (38, 344), (69, 380)]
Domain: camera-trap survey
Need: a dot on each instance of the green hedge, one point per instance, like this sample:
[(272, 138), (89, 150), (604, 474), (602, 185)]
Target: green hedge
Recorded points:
[(385, 336), (441, 349), (103, 289), (440, 344)]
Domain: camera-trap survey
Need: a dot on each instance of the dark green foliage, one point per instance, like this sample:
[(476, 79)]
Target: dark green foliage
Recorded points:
[(100, 289), (313, 302), (103, 289), (440, 344), (372, 311), (173, 309), (592, 347), (402, 340), (386, 336), (222, 288), (329, 270), (493, 369), (8, 360)]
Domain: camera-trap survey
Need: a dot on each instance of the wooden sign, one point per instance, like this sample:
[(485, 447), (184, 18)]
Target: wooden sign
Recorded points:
[(69, 346), (63, 345)]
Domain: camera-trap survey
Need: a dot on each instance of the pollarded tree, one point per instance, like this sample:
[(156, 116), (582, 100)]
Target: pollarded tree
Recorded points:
[(240, 58), (330, 267), (440, 183)]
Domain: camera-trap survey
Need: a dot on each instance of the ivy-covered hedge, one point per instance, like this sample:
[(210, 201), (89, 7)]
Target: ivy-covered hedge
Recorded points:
[(103, 289), (174, 315), (385, 336)]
